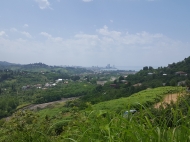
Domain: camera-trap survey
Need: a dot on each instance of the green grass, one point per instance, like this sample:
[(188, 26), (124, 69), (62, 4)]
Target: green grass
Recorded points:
[(141, 127), (147, 125), (53, 111), (143, 97), (22, 105)]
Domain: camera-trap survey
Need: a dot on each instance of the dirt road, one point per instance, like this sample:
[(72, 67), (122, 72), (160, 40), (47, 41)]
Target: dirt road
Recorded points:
[(167, 100), (41, 106)]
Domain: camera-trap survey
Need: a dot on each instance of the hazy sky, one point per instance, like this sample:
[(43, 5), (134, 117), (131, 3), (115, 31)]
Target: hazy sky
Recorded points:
[(95, 32)]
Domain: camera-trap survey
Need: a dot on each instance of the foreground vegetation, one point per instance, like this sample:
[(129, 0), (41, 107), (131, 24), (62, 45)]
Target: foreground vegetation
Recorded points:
[(148, 124), (96, 113), (60, 123)]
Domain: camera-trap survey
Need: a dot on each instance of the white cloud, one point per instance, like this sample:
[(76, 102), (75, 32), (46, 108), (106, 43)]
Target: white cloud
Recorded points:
[(105, 32), (46, 34), (25, 25), (86, 36), (103, 47), (26, 34), (87, 0), (2, 33), (54, 39), (43, 4)]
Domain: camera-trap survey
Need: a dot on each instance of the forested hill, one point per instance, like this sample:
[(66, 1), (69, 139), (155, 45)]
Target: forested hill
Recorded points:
[(40, 67), (172, 75), (181, 66), (4, 63), (174, 67)]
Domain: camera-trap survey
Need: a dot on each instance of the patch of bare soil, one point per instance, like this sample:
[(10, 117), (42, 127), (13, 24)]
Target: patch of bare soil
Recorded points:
[(167, 100), (44, 105)]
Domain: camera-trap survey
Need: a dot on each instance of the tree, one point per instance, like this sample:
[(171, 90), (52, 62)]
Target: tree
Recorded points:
[(173, 82), (145, 68), (115, 81), (99, 88), (121, 78), (74, 78), (150, 68)]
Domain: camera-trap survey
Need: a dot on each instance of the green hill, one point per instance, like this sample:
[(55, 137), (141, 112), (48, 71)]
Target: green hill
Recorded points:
[(149, 96)]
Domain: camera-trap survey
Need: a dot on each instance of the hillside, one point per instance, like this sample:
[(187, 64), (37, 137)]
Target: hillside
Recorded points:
[(60, 123), (172, 75), (145, 97), (4, 63), (97, 113)]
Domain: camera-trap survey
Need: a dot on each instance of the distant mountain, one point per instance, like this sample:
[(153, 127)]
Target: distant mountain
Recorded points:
[(36, 65), (4, 63), (41, 67)]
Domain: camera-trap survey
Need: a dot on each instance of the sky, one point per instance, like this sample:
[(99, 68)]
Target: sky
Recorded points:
[(95, 32)]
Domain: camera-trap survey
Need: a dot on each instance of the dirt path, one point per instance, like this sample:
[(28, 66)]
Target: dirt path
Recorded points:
[(41, 106), (167, 100)]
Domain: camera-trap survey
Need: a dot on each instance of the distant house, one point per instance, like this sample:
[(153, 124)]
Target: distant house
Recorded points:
[(38, 86), (66, 82), (181, 73), (28, 86), (150, 73), (124, 81), (181, 83), (114, 85), (164, 74), (137, 85), (24, 87), (54, 84), (101, 82), (59, 80), (47, 85)]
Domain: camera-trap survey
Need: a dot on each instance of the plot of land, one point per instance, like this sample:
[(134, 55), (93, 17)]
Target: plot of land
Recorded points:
[(41, 106), (168, 99)]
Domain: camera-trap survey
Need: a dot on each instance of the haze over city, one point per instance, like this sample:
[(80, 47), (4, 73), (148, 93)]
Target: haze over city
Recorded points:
[(95, 32)]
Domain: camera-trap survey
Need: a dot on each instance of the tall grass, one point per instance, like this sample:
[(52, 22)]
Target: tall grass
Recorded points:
[(170, 124), (166, 124), (149, 96)]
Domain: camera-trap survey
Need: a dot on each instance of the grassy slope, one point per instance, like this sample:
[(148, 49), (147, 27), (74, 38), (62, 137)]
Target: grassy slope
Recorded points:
[(150, 95), (100, 125), (52, 110), (58, 111)]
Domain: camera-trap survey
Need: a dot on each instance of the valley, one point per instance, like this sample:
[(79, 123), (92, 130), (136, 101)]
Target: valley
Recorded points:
[(46, 103)]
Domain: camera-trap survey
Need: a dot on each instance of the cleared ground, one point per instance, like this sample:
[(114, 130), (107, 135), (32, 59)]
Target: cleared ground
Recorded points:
[(41, 106), (167, 100)]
